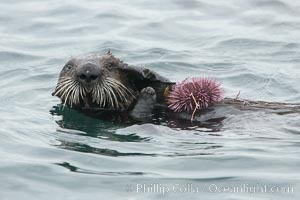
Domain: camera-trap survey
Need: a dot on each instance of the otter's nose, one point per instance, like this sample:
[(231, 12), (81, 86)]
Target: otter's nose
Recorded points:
[(88, 73)]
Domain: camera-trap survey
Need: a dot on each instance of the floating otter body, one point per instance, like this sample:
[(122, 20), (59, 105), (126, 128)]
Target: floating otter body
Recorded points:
[(107, 87)]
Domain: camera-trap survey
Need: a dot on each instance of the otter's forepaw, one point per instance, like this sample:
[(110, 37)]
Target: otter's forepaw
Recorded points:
[(144, 106), (148, 74), (147, 92)]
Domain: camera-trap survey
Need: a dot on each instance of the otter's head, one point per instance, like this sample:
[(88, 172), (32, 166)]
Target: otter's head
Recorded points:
[(93, 81)]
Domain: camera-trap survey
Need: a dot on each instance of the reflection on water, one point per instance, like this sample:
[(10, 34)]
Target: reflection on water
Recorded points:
[(88, 149), (84, 171), (74, 122)]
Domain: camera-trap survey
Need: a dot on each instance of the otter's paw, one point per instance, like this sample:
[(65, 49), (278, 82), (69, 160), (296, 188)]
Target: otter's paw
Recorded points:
[(144, 106), (148, 74), (148, 92)]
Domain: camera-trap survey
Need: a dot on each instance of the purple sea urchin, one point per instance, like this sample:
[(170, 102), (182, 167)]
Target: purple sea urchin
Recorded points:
[(194, 94)]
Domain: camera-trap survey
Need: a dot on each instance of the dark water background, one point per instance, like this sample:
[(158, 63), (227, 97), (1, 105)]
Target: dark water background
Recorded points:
[(250, 45)]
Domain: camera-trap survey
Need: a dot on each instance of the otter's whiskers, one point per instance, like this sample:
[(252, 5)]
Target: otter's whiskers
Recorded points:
[(108, 93), (111, 93), (70, 91)]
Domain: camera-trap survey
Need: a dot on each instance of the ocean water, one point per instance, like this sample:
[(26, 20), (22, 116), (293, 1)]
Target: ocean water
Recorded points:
[(252, 46)]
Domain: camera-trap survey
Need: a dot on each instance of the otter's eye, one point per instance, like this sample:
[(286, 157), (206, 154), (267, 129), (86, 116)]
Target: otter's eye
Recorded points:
[(69, 67)]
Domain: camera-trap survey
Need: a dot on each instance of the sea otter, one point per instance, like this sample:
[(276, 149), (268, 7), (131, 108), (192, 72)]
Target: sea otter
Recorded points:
[(105, 85), (108, 87)]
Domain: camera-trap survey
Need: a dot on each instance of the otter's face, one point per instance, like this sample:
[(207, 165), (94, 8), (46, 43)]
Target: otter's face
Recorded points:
[(85, 71), (93, 81)]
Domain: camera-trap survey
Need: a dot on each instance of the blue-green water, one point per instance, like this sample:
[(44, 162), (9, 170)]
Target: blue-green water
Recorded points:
[(250, 45)]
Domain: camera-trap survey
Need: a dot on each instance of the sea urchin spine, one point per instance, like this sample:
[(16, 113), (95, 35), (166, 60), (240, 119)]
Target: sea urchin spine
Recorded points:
[(194, 94)]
